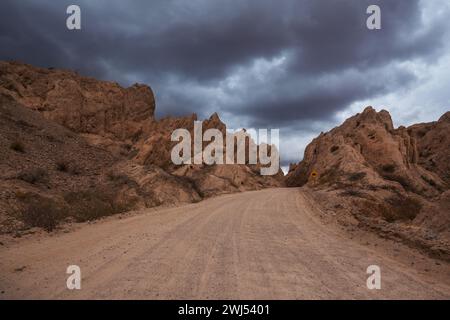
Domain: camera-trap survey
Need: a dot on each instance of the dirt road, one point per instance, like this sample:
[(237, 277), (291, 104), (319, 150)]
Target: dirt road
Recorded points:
[(267, 244)]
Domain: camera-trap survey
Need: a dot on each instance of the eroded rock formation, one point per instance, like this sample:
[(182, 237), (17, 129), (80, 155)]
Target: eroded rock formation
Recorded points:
[(395, 180)]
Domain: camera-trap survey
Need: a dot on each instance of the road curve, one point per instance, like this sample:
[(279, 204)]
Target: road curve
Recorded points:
[(267, 244)]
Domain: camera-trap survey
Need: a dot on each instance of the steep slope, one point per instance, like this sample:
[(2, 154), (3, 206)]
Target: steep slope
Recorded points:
[(104, 111), (48, 174), (394, 180), (433, 146)]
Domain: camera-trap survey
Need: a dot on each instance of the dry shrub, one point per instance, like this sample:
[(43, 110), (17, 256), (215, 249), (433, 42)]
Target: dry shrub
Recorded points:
[(389, 168), (35, 175), (62, 165), (356, 176), (352, 193), (68, 167), (400, 208), (17, 146), (91, 205), (431, 182), (38, 211), (400, 179)]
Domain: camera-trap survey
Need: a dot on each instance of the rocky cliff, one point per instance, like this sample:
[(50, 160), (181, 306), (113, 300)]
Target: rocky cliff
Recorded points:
[(392, 179), (84, 105)]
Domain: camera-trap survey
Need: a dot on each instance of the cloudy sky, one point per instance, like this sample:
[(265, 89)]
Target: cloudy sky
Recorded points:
[(302, 66)]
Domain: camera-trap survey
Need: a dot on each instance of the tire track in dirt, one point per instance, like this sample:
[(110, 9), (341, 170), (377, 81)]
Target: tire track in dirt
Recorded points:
[(268, 244)]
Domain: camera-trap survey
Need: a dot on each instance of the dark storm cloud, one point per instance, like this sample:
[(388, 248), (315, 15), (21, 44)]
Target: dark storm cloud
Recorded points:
[(191, 52), (322, 98)]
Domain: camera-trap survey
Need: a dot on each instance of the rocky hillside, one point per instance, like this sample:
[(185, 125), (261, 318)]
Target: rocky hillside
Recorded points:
[(394, 180), (85, 148), (84, 105)]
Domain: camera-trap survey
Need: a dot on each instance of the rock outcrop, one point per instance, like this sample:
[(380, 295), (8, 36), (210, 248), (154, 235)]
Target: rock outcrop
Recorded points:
[(433, 146), (50, 174), (387, 178), (367, 149), (84, 105)]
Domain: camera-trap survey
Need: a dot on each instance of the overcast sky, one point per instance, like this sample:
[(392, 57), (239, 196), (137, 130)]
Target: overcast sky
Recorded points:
[(300, 66)]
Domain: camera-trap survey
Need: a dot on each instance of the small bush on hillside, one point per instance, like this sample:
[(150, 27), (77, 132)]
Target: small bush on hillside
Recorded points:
[(429, 181), (389, 168), (67, 167), (400, 208), (39, 212), (17, 146), (356, 176), (62, 165), (352, 193), (91, 205), (35, 175)]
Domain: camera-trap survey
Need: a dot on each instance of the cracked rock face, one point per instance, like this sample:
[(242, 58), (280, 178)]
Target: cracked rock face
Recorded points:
[(367, 150), (82, 104), (433, 146)]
